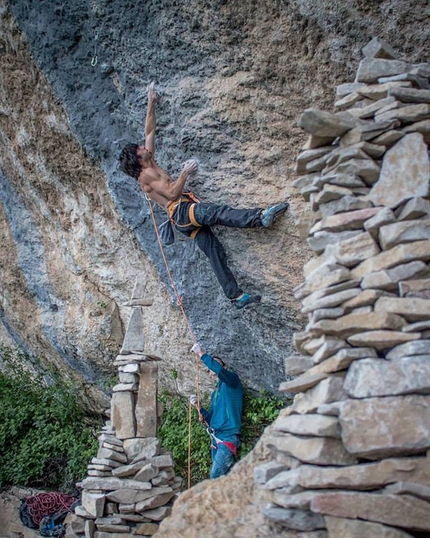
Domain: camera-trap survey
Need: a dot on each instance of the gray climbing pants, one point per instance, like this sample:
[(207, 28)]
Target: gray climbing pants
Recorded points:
[(195, 220)]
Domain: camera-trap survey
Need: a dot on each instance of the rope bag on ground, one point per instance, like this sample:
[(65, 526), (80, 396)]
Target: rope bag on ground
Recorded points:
[(46, 504)]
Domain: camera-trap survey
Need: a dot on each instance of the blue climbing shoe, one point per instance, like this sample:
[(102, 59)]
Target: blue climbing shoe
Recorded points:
[(245, 300), (272, 213)]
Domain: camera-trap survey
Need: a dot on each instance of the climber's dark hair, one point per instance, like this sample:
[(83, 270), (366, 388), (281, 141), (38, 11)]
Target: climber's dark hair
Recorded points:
[(130, 162)]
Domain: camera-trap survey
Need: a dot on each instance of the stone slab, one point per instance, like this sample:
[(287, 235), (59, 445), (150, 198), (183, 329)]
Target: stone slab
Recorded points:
[(321, 123), (340, 361), (419, 490), (352, 251), (419, 250), (355, 528), (329, 290), (319, 241), (404, 232), (302, 383), (414, 208), (419, 347), (407, 114), (332, 300), (134, 340), (329, 347), (327, 391), (377, 377), (335, 275), (366, 476), (146, 529), (399, 179), (264, 472), (299, 520), (93, 503), (412, 309), (397, 510), (297, 364), (383, 427), (345, 204), (367, 297), (113, 483), (370, 69), (310, 424), (382, 218), (382, 339), (389, 279), (327, 313), (141, 448), (154, 502), (410, 95), (146, 401), (315, 450), (351, 220), (416, 285), (157, 514), (122, 414), (355, 323)]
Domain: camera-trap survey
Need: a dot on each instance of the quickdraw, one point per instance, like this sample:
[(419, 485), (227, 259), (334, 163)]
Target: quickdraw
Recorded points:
[(215, 442)]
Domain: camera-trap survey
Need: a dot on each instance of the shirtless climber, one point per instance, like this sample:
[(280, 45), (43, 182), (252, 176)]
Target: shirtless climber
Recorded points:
[(190, 218)]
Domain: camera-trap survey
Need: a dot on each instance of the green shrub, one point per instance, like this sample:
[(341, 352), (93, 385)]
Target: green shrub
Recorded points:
[(259, 410), (46, 439), (173, 433)]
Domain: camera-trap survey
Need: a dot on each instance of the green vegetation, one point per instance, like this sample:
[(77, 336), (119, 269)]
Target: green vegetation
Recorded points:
[(258, 412), (46, 439)]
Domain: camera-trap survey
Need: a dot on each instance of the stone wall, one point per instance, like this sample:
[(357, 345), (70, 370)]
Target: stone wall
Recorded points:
[(348, 459), (351, 451)]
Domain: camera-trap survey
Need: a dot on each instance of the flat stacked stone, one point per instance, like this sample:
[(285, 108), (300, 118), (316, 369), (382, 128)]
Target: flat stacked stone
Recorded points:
[(350, 455), (131, 483)]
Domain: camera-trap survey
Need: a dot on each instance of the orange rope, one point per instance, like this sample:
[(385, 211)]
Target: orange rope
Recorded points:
[(169, 274), (193, 336), (189, 445)]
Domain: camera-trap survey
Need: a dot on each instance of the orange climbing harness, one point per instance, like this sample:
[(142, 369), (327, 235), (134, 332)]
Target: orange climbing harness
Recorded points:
[(193, 336), (171, 208)]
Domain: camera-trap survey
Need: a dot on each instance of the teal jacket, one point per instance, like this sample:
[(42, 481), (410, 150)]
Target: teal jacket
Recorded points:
[(225, 413)]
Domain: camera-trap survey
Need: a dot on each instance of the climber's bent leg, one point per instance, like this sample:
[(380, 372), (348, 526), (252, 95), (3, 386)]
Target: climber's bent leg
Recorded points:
[(209, 244), (211, 215)]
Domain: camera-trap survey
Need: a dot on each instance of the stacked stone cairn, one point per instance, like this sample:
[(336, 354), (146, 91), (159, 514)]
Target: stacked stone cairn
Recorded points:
[(131, 484), (351, 454)]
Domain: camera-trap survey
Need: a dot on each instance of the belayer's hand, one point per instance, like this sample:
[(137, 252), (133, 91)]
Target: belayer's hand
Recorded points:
[(197, 349), (193, 399)]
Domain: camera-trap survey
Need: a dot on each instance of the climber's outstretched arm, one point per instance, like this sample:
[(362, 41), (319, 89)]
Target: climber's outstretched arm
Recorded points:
[(150, 122)]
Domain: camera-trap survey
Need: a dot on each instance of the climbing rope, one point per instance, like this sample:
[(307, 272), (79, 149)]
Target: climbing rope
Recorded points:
[(46, 504), (179, 301)]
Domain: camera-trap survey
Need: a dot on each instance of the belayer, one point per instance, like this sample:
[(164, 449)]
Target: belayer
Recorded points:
[(224, 417), (188, 215)]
